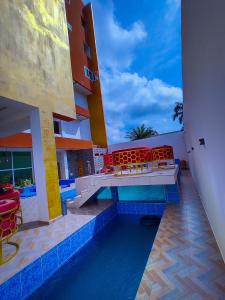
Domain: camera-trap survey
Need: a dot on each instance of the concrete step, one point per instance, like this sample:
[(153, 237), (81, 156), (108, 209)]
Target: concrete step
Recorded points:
[(85, 196), (72, 203)]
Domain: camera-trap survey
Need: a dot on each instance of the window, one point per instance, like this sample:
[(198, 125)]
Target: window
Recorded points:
[(69, 26), (20, 175), (15, 167), (57, 127), (90, 75), (22, 160), (5, 160), (87, 50), (6, 177)]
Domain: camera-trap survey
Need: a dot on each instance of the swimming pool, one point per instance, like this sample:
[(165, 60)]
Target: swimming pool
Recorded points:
[(148, 193), (109, 267)]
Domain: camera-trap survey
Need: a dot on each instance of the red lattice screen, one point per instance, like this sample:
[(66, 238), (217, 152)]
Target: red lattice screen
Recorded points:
[(132, 155), (162, 153), (108, 160)]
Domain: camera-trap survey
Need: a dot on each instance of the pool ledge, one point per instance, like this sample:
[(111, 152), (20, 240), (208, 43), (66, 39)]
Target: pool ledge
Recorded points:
[(36, 239)]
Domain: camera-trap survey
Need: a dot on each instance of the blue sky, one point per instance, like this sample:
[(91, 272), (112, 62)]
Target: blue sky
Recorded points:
[(140, 62)]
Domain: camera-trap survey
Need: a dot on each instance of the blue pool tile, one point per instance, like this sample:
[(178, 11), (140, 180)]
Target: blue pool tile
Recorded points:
[(74, 242), (31, 278), (78, 240), (64, 251), (11, 289), (98, 223), (172, 188), (82, 237), (173, 198), (160, 209), (49, 263), (85, 233), (141, 208), (148, 208), (92, 227)]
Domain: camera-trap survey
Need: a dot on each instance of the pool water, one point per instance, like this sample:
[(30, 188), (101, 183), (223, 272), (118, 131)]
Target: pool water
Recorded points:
[(110, 267), (148, 193)]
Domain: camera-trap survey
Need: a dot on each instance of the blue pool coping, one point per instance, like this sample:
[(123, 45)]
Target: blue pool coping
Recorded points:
[(30, 191), (26, 281)]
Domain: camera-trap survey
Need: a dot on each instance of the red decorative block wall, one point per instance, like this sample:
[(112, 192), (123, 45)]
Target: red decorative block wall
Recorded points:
[(132, 155), (162, 153), (108, 160)]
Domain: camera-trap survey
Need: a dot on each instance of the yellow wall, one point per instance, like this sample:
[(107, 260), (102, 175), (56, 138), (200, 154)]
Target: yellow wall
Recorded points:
[(35, 69), (50, 163), (35, 60), (95, 105)]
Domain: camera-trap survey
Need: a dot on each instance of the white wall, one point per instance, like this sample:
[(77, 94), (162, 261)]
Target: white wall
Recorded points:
[(174, 139), (203, 32), (76, 129), (63, 162)]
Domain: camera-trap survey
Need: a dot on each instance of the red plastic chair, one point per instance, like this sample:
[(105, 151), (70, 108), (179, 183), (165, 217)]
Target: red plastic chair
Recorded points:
[(8, 227), (11, 194)]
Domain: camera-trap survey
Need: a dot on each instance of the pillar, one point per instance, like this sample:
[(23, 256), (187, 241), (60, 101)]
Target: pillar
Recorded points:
[(45, 165), (65, 169), (114, 193)]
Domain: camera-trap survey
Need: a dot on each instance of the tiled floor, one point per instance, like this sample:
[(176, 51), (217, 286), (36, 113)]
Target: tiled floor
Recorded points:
[(185, 262), (36, 241)]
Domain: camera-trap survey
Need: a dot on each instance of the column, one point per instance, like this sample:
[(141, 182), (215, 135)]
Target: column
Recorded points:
[(64, 164), (115, 193), (45, 165)]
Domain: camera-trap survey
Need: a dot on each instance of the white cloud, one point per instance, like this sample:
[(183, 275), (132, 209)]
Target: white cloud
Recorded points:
[(116, 44), (130, 99)]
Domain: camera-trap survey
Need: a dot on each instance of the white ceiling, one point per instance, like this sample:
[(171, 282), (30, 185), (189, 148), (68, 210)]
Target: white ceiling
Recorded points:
[(14, 116)]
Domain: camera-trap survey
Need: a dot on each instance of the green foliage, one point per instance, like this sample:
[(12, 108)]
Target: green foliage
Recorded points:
[(140, 132), (6, 178), (178, 112)]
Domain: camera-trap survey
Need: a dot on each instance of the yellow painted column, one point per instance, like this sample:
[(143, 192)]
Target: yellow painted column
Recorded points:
[(45, 165)]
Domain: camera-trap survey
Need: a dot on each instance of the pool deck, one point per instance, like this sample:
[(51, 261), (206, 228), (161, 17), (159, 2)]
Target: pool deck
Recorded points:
[(36, 239), (185, 262)]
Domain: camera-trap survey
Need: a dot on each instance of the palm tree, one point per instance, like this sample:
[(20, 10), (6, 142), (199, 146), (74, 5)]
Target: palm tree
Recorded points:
[(178, 112), (140, 132)]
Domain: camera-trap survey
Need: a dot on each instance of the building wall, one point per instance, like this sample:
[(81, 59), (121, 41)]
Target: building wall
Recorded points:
[(175, 139), (83, 156), (98, 158), (95, 102), (75, 11), (203, 31), (76, 129), (35, 63)]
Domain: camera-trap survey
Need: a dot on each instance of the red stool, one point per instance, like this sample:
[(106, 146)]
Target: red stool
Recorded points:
[(12, 194), (8, 227)]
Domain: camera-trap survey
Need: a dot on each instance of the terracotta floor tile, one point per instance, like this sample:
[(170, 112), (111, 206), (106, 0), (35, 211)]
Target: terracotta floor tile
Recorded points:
[(193, 268)]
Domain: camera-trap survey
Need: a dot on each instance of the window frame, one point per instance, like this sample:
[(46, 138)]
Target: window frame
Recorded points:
[(59, 126), (87, 50), (69, 26), (90, 74), (13, 169)]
